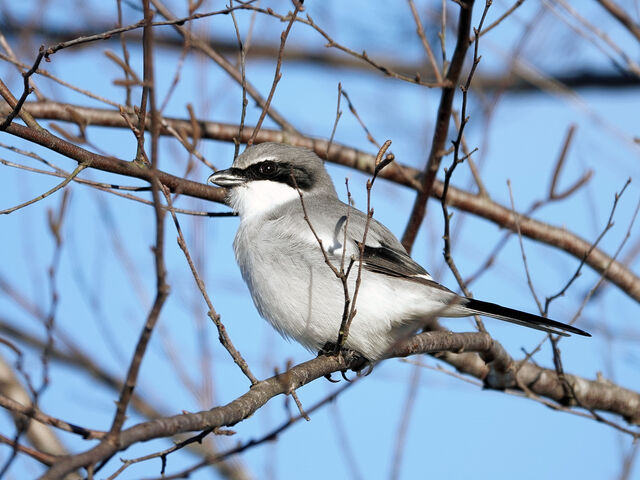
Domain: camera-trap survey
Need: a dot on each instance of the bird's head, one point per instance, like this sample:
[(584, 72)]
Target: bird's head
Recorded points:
[(267, 175)]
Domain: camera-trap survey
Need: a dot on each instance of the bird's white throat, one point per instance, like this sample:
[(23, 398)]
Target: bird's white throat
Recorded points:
[(259, 197)]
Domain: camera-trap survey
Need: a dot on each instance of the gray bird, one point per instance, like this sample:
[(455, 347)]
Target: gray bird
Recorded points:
[(296, 291)]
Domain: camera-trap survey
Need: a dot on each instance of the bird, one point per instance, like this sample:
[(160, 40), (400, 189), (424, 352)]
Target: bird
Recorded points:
[(292, 222)]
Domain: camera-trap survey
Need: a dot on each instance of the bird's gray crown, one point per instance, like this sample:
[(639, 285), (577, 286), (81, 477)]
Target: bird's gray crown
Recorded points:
[(294, 166)]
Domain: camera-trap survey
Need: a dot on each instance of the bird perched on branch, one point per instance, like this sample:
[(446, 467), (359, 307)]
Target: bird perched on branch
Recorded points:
[(293, 226)]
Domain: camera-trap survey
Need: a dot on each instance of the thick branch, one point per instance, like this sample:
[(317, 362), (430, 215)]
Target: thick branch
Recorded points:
[(600, 395), (73, 357), (115, 165), (617, 273)]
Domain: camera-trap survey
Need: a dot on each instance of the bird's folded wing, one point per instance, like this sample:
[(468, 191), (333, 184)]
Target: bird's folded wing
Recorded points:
[(382, 253), (397, 263), (384, 259)]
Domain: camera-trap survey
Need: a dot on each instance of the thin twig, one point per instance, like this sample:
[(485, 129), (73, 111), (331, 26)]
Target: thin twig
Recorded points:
[(163, 454), (43, 458), (277, 75), (346, 321), (482, 191), (620, 15), (215, 317), (596, 32), (113, 189), (205, 47), (607, 227), (364, 56), (353, 110), (442, 125), (552, 196), (43, 418), (162, 288), (425, 43), (59, 81), (577, 273), (48, 51), (516, 220), (125, 54), (405, 422), (498, 21), (243, 83), (603, 275), (61, 185), (17, 106), (442, 35), (335, 123), (457, 145)]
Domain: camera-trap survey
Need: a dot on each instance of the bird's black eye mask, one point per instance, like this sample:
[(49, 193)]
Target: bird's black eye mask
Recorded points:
[(283, 172)]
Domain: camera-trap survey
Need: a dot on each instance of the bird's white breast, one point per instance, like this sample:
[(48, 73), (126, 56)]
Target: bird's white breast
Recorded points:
[(258, 197)]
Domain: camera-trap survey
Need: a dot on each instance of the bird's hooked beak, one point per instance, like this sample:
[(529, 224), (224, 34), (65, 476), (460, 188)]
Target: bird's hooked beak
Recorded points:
[(231, 177)]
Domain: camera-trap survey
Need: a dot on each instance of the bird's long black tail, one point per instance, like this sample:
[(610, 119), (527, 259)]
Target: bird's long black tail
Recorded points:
[(521, 318)]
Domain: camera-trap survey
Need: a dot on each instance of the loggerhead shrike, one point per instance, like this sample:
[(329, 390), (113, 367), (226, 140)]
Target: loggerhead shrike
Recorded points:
[(295, 290)]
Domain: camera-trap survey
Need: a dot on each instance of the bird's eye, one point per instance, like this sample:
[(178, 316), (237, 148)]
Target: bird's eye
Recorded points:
[(267, 169)]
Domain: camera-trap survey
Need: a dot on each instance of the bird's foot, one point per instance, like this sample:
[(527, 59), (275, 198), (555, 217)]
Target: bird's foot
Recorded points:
[(355, 360)]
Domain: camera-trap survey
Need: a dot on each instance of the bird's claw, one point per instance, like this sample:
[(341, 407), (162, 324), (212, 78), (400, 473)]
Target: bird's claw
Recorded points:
[(355, 360)]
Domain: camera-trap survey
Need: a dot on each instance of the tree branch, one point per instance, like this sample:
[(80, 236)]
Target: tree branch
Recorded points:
[(441, 126), (597, 395), (616, 272)]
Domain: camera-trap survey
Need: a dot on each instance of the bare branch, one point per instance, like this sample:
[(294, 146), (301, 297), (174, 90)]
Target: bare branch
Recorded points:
[(276, 75), (162, 288), (618, 273), (620, 15), (215, 317), (61, 185), (442, 126), (596, 394)]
